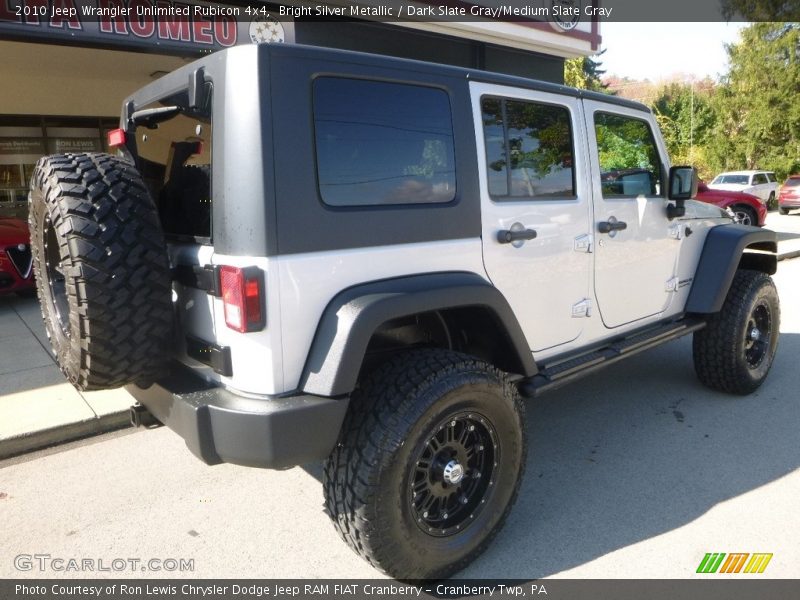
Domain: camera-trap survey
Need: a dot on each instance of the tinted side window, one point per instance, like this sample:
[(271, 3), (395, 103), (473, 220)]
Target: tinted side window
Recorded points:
[(759, 178), (528, 149), (382, 143), (629, 161), (771, 177)]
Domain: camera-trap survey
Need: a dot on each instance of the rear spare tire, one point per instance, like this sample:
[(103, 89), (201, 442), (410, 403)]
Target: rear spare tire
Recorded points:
[(102, 270)]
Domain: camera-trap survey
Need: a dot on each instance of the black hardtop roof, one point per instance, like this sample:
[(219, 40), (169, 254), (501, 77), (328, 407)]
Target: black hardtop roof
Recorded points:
[(350, 56)]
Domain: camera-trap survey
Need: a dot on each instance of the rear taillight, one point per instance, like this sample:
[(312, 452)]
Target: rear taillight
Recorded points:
[(116, 138), (243, 297)]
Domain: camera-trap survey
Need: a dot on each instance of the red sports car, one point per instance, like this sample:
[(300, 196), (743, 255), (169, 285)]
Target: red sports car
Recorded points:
[(746, 208), (16, 267)]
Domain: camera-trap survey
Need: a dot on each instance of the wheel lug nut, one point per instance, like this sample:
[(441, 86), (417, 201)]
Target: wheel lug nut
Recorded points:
[(472, 427), (425, 514), (444, 516), (464, 500)]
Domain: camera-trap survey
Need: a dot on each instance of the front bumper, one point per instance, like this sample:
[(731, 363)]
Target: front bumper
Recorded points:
[(789, 202), (221, 426), (11, 282)]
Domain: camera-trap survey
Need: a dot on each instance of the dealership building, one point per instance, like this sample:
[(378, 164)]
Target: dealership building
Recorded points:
[(66, 65)]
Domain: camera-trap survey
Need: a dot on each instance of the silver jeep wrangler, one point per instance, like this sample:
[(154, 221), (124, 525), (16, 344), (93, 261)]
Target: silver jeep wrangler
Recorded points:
[(299, 254)]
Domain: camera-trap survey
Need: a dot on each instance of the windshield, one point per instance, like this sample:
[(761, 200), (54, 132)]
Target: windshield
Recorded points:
[(737, 179)]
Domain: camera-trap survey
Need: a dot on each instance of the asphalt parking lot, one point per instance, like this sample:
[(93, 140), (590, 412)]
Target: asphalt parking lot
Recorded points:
[(636, 472)]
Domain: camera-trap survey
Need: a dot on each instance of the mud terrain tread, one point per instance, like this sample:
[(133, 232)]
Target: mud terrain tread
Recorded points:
[(117, 272)]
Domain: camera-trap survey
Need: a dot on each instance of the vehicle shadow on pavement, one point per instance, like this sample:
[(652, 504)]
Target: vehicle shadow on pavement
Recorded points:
[(636, 451)]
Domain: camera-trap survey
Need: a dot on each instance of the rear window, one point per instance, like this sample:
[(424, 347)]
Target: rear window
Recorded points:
[(380, 143), (175, 162), (792, 182)]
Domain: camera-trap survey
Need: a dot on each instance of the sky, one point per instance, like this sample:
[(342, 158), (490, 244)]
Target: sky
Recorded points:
[(658, 50)]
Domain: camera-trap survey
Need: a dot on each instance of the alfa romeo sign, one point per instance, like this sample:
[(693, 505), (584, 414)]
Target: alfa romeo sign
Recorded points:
[(167, 24)]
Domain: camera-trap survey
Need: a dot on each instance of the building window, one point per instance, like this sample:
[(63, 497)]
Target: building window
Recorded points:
[(23, 140), (529, 151), (381, 143)]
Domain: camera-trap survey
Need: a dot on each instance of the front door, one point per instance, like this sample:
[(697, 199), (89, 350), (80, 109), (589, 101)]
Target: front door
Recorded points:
[(637, 246), (535, 208)]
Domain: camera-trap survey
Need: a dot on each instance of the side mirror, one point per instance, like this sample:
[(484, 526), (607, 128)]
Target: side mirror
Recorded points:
[(682, 183), (682, 187)]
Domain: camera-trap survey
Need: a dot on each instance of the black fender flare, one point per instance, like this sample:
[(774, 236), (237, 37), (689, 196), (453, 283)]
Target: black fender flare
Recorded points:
[(722, 255), (353, 315)]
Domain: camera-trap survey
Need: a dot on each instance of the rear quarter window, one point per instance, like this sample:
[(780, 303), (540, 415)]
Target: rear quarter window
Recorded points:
[(381, 143)]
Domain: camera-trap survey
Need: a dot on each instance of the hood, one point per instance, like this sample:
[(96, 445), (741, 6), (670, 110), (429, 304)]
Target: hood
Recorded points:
[(13, 231), (724, 196)]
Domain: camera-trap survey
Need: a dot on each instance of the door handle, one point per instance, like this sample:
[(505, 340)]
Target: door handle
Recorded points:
[(507, 236), (609, 226)]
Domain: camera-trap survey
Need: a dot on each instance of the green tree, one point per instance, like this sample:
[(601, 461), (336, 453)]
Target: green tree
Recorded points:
[(757, 107), (686, 119), (761, 10), (585, 72)]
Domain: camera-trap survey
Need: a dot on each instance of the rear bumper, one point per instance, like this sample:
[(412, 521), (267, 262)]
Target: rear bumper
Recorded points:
[(789, 202), (220, 426)]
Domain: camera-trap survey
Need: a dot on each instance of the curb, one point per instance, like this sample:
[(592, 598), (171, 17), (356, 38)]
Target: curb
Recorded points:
[(37, 440)]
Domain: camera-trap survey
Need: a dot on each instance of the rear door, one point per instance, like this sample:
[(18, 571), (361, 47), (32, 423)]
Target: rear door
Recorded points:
[(536, 211), (637, 246), (761, 187)]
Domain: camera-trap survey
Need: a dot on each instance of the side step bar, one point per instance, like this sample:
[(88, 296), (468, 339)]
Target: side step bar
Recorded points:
[(567, 369)]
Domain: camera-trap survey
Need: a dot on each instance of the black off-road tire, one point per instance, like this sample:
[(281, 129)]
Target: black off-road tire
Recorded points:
[(784, 211), (728, 354), (387, 440), (771, 202), (102, 271)]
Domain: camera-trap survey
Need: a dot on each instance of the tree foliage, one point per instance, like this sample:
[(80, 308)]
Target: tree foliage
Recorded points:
[(761, 10), (686, 119), (749, 119), (757, 107), (585, 72)]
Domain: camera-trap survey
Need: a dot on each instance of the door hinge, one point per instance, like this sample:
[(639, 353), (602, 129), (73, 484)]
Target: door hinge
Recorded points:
[(672, 285), (582, 309), (202, 277), (676, 231), (583, 243)]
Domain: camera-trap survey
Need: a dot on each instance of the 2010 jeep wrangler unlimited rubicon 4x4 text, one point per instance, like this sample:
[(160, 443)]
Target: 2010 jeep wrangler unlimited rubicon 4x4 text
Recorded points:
[(300, 254)]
